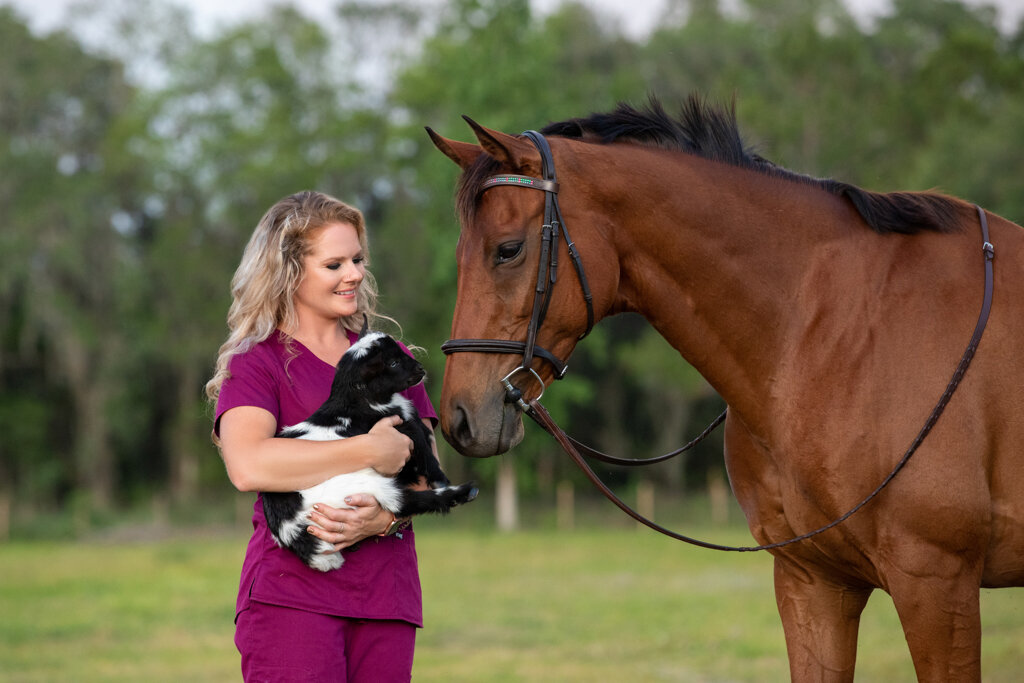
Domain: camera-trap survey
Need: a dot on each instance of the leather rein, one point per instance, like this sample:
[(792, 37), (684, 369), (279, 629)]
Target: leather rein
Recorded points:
[(553, 226)]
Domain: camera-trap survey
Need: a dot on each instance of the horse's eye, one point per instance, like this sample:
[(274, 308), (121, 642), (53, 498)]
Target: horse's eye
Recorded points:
[(508, 251)]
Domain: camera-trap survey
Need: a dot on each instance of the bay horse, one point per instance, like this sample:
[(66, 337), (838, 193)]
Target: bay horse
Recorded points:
[(827, 316)]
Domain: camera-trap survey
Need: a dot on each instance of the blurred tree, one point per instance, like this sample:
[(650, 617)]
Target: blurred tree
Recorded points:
[(968, 96), (135, 166), (62, 254)]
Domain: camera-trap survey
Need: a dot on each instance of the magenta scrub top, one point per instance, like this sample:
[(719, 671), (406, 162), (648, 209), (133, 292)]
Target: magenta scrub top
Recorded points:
[(380, 577)]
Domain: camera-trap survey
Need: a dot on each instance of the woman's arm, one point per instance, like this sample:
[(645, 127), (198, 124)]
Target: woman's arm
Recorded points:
[(257, 461), (344, 527)]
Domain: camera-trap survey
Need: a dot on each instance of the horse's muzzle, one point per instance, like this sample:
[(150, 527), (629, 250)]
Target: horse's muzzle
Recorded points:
[(482, 433)]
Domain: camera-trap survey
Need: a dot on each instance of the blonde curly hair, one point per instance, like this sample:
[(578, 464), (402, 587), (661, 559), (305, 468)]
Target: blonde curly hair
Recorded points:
[(264, 285)]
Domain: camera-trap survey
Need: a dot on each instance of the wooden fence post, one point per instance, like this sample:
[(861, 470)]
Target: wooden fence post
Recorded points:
[(5, 515), (718, 495), (644, 501), (505, 499)]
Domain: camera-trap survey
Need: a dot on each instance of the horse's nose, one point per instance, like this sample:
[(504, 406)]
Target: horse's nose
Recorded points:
[(459, 431)]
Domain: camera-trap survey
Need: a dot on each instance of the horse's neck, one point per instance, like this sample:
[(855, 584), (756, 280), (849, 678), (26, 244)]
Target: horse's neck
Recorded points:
[(718, 267)]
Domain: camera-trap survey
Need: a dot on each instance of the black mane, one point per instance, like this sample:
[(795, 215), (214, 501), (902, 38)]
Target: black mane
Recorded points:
[(712, 133)]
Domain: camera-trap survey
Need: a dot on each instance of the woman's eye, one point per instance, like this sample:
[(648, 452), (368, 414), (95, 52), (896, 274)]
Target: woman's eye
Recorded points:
[(356, 260), (507, 252)]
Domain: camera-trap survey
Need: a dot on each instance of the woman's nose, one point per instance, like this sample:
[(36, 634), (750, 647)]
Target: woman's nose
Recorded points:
[(351, 273)]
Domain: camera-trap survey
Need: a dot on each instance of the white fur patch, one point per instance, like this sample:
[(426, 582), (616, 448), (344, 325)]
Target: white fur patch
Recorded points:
[(333, 493), (326, 563), (399, 402), (311, 432), (362, 346)]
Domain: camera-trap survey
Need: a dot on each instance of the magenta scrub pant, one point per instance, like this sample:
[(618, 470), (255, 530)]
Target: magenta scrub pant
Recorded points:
[(279, 644)]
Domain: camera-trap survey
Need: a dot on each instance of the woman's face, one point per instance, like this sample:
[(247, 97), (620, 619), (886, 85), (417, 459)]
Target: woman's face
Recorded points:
[(332, 273)]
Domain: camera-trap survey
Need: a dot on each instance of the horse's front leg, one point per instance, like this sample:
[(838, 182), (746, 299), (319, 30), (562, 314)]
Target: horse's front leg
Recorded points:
[(941, 619), (820, 618)]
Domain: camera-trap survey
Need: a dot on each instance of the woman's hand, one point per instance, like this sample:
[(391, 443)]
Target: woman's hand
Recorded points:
[(343, 527), (391, 447)]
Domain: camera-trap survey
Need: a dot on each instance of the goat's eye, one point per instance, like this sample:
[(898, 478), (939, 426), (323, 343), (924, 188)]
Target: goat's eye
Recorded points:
[(393, 364), (509, 251)]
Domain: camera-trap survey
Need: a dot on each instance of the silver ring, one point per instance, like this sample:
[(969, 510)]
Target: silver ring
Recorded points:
[(509, 387)]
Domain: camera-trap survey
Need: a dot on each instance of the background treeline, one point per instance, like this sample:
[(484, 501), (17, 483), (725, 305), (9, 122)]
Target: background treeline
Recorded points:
[(137, 155)]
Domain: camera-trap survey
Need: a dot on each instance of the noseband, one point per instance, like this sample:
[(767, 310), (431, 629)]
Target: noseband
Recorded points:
[(547, 274)]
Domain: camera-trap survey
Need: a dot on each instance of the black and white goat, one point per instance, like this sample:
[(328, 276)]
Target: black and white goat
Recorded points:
[(365, 389)]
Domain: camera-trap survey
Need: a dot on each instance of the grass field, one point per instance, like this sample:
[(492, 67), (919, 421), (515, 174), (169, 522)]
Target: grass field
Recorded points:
[(532, 606)]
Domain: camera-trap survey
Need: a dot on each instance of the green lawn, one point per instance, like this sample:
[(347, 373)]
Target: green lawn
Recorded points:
[(532, 606)]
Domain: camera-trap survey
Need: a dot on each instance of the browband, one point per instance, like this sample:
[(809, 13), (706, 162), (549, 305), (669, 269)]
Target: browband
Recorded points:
[(521, 181)]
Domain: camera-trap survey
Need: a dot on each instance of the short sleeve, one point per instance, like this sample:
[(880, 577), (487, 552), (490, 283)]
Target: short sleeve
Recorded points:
[(252, 383)]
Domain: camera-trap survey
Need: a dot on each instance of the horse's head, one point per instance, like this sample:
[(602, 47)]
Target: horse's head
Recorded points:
[(502, 262)]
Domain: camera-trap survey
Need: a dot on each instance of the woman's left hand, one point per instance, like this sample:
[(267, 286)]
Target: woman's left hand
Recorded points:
[(343, 527)]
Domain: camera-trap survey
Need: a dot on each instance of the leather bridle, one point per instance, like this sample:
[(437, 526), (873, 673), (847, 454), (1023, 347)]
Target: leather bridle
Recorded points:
[(547, 274), (546, 277)]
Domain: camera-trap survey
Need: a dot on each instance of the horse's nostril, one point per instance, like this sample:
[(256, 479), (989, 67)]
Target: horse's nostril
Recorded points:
[(461, 430)]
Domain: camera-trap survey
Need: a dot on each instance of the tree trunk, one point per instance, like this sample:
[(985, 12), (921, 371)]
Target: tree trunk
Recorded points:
[(673, 416), (184, 460), (93, 455), (94, 458), (84, 359)]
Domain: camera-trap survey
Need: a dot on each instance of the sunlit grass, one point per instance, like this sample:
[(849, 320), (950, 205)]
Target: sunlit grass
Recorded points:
[(144, 611), (531, 606)]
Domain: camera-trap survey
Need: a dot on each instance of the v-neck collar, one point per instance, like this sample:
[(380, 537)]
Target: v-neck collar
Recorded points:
[(352, 339)]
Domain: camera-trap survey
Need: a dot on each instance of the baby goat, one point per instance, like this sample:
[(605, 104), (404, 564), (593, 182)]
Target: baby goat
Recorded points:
[(366, 388)]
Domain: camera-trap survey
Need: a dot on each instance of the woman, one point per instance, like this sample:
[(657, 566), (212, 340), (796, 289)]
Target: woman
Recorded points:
[(300, 296)]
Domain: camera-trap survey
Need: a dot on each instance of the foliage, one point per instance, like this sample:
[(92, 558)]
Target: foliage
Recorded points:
[(129, 188)]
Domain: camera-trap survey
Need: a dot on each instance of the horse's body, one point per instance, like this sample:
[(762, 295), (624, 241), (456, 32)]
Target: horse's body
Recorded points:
[(829, 340)]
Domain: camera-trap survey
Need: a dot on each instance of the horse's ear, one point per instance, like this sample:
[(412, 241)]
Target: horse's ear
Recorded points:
[(462, 153), (511, 150)]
